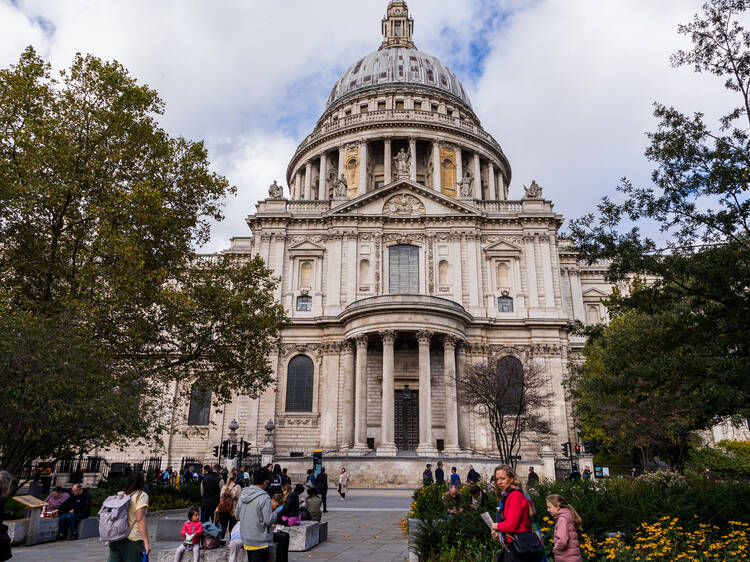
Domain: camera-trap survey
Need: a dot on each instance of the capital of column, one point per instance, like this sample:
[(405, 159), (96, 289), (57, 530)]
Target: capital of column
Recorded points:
[(424, 337), (347, 346), (361, 341), (450, 341), (388, 336)]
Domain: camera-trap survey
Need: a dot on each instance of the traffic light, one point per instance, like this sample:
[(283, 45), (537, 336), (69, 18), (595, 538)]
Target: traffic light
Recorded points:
[(587, 447), (578, 450), (225, 449), (566, 449), (216, 451), (233, 451), (246, 449)]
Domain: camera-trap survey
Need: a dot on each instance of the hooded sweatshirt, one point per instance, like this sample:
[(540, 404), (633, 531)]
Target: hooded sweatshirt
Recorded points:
[(255, 516)]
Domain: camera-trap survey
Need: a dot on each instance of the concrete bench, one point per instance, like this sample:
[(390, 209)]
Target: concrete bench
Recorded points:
[(216, 555), (306, 535), (47, 529)]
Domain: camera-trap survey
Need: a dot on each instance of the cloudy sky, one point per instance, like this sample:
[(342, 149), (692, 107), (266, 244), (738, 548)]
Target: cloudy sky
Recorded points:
[(565, 86)]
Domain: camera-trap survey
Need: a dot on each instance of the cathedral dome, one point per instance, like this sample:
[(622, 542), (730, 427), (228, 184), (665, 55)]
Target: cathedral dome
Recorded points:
[(398, 66)]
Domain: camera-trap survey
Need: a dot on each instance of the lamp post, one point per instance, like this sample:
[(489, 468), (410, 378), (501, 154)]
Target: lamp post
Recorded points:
[(267, 451), (232, 446)]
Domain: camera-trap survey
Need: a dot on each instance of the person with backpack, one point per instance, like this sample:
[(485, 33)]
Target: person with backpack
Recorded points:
[(191, 536), (122, 521), (257, 516), (230, 495)]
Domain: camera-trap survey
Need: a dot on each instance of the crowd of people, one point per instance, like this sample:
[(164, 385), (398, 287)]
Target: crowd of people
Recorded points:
[(515, 523)]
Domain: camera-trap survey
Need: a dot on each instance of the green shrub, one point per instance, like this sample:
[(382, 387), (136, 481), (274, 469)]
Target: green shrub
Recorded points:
[(729, 460), (459, 537)]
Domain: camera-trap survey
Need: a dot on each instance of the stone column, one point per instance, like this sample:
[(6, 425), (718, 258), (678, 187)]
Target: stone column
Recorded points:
[(451, 406), (577, 296), (387, 446), (425, 447), (413, 161), (323, 180), (308, 181), (477, 177), (533, 287), (298, 186), (363, 167), (436, 166), (360, 397), (387, 161), (491, 178), (459, 166), (347, 406), (464, 428), (341, 161), (501, 187)]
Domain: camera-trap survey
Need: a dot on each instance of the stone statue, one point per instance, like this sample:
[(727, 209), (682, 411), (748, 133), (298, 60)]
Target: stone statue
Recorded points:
[(275, 191), (339, 187), (532, 192), (464, 186), (403, 163)]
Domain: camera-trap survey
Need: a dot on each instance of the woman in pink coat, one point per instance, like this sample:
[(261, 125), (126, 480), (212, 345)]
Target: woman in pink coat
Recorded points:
[(567, 547)]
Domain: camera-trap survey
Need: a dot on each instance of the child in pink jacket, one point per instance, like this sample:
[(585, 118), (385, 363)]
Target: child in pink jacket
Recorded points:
[(191, 533), (567, 547)]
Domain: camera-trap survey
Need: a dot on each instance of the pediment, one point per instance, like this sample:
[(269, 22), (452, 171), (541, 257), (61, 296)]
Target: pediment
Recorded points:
[(594, 292), (404, 198), (502, 248), (307, 248)]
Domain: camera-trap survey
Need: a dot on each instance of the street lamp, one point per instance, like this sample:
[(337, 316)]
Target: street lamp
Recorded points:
[(233, 427)]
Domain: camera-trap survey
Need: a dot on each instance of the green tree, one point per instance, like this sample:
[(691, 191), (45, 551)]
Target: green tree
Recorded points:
[(697, 298), (104, 304)]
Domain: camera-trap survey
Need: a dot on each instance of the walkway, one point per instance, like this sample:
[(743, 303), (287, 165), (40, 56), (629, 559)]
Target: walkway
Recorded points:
[(365, 527)]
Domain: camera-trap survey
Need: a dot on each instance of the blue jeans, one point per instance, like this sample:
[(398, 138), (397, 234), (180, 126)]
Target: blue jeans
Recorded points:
[(69, 520)]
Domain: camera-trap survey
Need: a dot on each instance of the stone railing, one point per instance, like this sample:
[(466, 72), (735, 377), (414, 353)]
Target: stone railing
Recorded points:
[(398, 116), (308, 207), (501, 206)]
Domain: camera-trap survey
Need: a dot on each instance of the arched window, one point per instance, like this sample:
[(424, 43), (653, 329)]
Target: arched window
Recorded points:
[(364, 271), (592, 314), (504, 304), (443, 271), (304, 303), (510, 373), (299, 384), (403, 269), (200, 406), (503, 276), (306, 274)]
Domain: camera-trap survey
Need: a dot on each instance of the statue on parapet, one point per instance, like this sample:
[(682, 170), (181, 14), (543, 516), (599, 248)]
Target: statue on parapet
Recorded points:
[(464, 185), (339, 187), (275, 191), (533, 191), (403, 163)]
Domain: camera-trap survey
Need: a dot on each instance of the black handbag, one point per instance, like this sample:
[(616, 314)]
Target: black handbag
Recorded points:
[(527, 547)]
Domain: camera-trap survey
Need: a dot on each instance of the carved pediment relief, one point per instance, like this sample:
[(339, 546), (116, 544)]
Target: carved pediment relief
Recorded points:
[(593, 292), (403, 204)]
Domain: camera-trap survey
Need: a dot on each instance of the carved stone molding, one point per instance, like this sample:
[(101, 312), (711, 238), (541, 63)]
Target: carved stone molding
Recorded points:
[(450, 341), (347, 346), (309, 348), (424, 337), (388, 336), (362, 341), (403, 237), (297, 420), (403, 204)]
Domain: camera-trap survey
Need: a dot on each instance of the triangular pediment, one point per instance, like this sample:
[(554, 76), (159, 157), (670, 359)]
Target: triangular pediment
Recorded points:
[(306, 246), (403, 198), (503, 247), (594, 292)]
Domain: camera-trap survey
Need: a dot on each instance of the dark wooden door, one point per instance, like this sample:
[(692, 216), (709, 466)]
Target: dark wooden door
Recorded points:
[(407, 420)]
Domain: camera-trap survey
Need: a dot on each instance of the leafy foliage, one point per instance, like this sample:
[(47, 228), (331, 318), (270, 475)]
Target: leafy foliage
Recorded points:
[(104, 304), (725, 461)]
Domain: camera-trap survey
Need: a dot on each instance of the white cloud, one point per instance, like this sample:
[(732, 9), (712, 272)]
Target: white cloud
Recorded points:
[(566, 86)]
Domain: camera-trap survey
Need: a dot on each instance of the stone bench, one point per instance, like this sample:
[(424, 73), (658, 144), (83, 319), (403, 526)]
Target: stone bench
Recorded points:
[(47, 529), (307, 535), (220, 554)]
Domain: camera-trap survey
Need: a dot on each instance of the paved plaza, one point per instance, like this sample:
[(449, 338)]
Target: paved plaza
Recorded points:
[(365, 527)]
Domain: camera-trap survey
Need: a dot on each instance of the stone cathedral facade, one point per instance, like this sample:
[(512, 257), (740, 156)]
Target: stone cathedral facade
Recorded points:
[(403, 256)]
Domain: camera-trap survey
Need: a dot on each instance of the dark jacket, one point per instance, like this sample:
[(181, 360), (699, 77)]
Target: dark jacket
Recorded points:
[(439, 476), (80, 504), (322, 483), (291, 505), (473, 476), (427, 477), (211, 488)]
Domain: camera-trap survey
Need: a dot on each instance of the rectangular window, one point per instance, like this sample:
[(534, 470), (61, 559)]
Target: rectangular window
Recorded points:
[(399, 104), (363, 108), (304, 303), (381, 105), (418, 106), (397, 28), (505, 304), (403, 269)]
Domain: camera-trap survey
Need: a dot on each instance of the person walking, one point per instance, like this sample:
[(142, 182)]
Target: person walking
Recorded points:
[(132, 548), (210, 492), (455, 478), (473, 476), (439, 473), (343, 483), (323, 487), (567, 547), (230, 495), (513, 511), (533, 477), (427, 476), (6, 480)]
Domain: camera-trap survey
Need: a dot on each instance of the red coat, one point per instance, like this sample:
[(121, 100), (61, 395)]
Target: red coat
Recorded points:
[(516, 515), (195, 527)]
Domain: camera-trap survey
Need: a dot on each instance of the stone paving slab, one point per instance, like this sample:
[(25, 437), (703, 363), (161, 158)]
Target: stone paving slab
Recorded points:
[(364, 528)]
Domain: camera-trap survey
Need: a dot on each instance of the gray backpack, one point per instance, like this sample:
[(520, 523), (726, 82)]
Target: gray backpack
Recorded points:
[(113, 518)]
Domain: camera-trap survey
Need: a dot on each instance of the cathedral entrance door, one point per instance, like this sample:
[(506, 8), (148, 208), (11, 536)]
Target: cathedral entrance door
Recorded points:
[(406, 405)]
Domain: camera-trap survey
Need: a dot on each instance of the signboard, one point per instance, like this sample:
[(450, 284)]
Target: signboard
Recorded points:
[(30, 502), (317, 461)]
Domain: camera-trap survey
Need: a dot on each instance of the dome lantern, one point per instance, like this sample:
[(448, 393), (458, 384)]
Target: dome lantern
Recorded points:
[(397, 26)]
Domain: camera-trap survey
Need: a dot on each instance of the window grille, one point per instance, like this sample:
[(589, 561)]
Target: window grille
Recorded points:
[(505, 304), (304, 303), (299, 384), (403, 269)]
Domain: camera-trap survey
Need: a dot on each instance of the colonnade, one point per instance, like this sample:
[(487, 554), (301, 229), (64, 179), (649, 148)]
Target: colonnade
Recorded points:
[(302, 188), (355, 387)]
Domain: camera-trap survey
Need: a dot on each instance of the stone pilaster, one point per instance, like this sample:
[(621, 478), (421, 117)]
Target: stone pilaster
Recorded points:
[(347, 401), (491, 179), (308, 181), (436, 184), (451, 406), (464, 427), (387, 446), (323, 180), (363, 183), (413, 161), (387, 161), (360, 397), (477, 177)]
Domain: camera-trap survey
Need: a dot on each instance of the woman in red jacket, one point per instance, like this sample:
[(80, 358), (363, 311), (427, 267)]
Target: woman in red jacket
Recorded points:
[(513, 509)]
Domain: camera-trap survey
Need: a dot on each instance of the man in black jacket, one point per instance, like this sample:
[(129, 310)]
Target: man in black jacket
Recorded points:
[(210, 492), (75, 508), (322, 485), (439, 474)]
